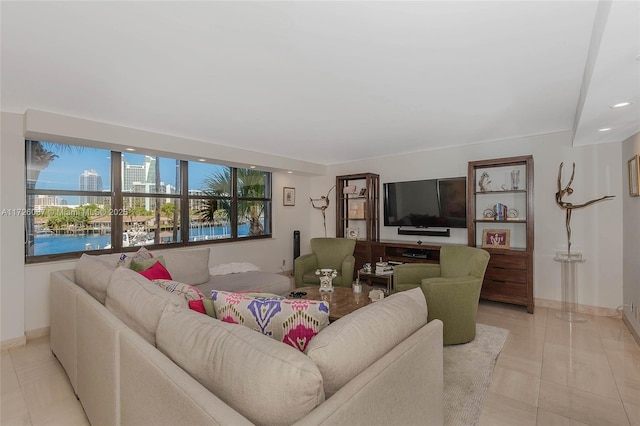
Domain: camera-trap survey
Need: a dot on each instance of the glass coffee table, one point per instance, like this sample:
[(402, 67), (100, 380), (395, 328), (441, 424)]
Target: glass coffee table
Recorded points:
[(342, 300), (371, 278)]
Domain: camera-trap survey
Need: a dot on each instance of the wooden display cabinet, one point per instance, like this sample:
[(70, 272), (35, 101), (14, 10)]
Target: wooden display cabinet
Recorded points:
[(358, 212), (500, 220)]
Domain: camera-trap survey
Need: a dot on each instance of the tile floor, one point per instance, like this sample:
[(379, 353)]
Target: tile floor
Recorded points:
[(550, 372)]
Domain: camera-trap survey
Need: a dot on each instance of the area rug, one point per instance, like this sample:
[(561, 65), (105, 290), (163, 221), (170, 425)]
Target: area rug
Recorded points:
[(467, 375)]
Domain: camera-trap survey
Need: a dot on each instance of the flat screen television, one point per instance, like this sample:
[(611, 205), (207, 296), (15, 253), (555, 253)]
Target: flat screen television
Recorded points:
[(426, 203)]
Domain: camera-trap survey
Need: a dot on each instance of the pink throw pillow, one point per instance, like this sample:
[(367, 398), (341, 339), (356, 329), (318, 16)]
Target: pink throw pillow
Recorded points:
[(197, 305), (156, 272)]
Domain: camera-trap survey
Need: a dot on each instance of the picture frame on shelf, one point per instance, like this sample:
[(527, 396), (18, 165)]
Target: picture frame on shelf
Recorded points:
[(288, 196), (496, 238), (353, 233), (634, 176), (356, 210)]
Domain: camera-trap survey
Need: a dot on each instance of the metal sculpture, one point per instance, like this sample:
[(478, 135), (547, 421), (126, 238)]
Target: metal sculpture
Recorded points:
[(569, 207), (323, 205)]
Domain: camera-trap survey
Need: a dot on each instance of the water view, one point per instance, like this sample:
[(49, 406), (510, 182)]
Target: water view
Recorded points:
[(51, 244)]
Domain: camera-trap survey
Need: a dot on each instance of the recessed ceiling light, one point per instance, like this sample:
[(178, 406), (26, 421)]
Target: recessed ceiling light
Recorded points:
[(289, 172), (252, 167), (604, 129), (129, 149), (621, 105), (201, 159)]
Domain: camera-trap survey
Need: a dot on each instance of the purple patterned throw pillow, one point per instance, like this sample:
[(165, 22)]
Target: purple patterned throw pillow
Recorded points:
[(293, 322)]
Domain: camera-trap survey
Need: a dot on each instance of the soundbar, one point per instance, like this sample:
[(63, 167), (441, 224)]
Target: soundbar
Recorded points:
[(426, 231)]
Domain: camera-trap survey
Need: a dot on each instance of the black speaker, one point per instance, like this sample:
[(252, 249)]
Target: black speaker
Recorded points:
[(296, 244), (296, 247)]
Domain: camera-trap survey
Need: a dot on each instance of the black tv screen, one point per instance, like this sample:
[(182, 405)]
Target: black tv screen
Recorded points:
[(426, 203)]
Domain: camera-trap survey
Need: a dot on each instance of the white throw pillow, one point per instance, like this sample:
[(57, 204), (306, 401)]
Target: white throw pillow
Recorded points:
[(233, 268)]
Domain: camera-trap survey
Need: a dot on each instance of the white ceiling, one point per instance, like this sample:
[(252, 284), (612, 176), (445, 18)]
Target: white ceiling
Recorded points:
[(329, 82)]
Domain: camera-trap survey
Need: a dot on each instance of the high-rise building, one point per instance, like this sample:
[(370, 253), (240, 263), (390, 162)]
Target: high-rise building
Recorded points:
[(141, 178), (133, 173), (90, 180)]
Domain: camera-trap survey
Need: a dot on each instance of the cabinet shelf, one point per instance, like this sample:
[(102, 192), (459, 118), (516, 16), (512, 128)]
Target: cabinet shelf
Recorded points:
[(499, 221), (506, 191)]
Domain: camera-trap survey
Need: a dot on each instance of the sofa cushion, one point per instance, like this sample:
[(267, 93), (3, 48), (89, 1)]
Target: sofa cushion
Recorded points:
[(264, 380), (188, 266), (138, 302), (264, 282), (186, 291), (144, 264), (93, 275), (293, 322), (348, 346)]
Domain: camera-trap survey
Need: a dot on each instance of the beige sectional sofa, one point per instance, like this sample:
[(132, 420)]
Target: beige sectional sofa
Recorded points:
[(136, 355)]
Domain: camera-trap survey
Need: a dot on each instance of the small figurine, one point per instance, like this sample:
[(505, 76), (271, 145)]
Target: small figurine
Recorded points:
[(484, 182)]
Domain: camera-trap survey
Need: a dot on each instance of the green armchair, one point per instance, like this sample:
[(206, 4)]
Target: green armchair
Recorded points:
[(452, 288), (334, 253)]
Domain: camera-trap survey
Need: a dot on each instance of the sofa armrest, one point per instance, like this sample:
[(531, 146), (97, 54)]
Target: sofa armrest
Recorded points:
[(410, 275), (303, 264), (155, 391), (346, 271), (387, 391), (63, 325)]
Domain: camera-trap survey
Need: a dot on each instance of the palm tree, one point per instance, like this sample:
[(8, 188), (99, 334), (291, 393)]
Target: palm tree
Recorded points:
[(250, 185), (38, 158)]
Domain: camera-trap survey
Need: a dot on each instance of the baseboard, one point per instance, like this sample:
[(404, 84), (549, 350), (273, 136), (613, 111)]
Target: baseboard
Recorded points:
[(21, 341), (13, 343), (626, 315), (584, 309), (37, 333)]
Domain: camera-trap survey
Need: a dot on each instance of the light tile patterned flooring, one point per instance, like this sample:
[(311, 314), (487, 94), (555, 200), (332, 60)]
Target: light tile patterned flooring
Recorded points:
[(550, 372)]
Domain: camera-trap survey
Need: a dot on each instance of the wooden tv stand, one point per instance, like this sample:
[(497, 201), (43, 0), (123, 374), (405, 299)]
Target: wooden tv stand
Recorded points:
[(405, 252)]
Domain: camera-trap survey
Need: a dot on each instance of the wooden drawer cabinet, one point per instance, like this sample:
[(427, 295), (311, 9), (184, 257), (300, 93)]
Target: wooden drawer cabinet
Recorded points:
[(362, 253)]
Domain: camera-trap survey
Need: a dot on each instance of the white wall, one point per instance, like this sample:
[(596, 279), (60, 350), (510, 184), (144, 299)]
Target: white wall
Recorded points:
[(12, 196), (596, 230), (631, 238), (25, 288)]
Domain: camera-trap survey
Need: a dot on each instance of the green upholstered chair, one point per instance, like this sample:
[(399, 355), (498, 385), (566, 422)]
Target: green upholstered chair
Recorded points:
[(334, 253), (452, 288)]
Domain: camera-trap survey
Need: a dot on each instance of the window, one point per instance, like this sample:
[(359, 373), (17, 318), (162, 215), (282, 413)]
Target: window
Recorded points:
[(69, 198), (214, 211), (79, 197)]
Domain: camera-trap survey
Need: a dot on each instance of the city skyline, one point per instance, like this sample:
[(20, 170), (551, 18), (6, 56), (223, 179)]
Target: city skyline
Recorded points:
[(62, 173)]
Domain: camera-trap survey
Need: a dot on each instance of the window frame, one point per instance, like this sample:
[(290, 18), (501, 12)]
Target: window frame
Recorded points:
[(117, 196)]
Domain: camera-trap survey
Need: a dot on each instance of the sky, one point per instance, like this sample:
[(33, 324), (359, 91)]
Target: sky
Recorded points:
[(64, 171)]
